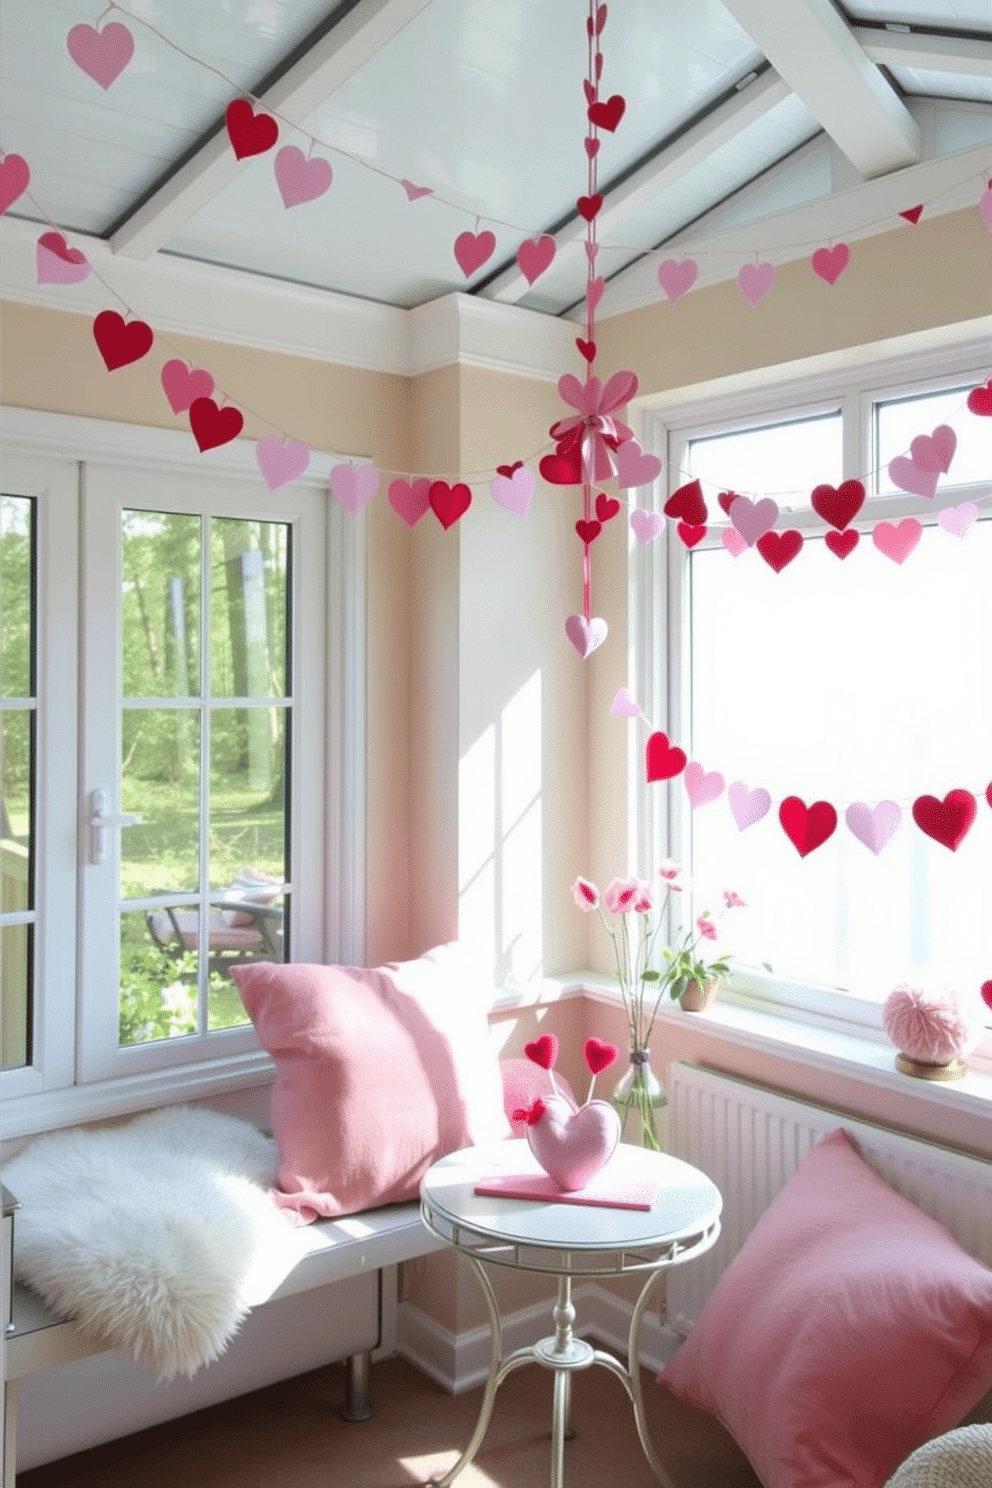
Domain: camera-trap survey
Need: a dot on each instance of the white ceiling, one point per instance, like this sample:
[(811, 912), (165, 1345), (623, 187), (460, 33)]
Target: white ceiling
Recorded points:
[(742, 112)]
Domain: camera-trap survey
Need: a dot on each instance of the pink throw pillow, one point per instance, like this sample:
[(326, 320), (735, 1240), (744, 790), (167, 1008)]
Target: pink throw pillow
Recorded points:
[(849, 1329), (378, 1074)]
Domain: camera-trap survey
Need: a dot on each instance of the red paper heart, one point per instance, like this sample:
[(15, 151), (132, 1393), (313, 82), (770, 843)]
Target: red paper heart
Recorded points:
[(588, 206), (842, 543), (839, 505), (913, 214), (779, 548), (726, 499), (830, 263), (213, 426), (589, 91), (588, 531), (120, 341), (249, 133), (543, 1050), (687, 502), (988, 793), (606, 506), (508, 470), (980, 400), (607, 113), (592, 146), (587, 348), (15, 173), (691, 535), (664, 760), (599, 63), (807, 827), (595, 26), (564, 468), (947, 821), (472, 250), (599, 1055), (986, 993), (448, 503)]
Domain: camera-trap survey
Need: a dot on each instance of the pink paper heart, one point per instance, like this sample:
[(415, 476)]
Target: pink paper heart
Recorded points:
[(57, 263), (633, 467), (756, 280), (535, 255), (646, 525), (410, 499), (623, 705), (733, 542), (700, 787), (592, 249), (354, 485), (830, 263), (414, 193), (181, 384), (586, 635), (958, 520), (985, 208), (102, 55), (594, 292), (752, 519), (15, 173), (472, 250), (897, 540), (514, 492), (873, 826), (299, 179), (677, 276), (934, 451), (572, 1146), (909, 476), (748, 806), (281, 460)]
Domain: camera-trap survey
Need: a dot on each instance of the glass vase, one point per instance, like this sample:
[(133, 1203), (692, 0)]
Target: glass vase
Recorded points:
[(640, 1101)]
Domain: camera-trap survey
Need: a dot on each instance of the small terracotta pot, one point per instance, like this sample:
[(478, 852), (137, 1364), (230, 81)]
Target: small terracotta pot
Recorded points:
[(698, 996)]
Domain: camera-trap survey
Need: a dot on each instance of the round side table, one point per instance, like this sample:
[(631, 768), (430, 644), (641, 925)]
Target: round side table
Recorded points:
[(567, 1240)]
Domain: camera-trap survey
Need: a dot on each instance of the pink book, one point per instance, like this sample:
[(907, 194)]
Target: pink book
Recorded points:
[(606, 1190)]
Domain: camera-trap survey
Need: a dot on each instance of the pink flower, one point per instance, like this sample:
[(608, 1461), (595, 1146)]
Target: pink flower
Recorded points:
[(672, 875), (644, 903), (732, 900), (621, 895), (706, 927), (585, 894)]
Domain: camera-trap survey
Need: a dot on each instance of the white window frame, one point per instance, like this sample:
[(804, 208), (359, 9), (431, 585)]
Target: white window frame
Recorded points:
[(658, 607)]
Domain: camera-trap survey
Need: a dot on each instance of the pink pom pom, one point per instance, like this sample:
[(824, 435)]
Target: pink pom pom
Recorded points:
[(931, 1027)]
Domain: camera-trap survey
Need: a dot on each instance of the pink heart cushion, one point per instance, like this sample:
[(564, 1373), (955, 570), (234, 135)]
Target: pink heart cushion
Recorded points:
[(378, 1074), (571, 1145), (848, 1329)]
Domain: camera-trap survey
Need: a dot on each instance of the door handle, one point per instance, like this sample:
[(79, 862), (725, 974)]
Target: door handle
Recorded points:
[(101, 822)]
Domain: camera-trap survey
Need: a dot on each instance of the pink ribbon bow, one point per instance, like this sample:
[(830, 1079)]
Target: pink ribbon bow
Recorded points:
[(594, 425)]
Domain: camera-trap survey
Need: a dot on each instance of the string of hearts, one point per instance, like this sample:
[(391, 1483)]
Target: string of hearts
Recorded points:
[(807, 827)]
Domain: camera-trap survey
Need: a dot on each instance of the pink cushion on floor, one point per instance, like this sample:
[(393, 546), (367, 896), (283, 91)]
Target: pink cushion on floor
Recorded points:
[(378, 1074), (849, 1329)]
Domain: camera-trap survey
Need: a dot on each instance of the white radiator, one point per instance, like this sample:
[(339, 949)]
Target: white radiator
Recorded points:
[(750, 1141)]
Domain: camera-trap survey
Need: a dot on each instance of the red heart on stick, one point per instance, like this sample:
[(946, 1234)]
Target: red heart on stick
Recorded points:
[(588, 206), (543, 1050), (779, 548), (213, 426), (606, 506), (120, 341), (563, 468), (807, 827), (607, 113), (839, 505), (249, 133), (664, 761), (687, 502), (947, 821), (448, 503), (599, 1055), (842, 543), (588, 531)]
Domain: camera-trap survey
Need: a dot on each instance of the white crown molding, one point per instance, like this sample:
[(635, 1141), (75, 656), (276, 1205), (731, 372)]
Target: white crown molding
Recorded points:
[(475, 332)]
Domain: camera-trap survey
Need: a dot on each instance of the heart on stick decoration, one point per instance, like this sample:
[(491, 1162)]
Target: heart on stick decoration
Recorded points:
[(748, 806), (633, 467), (830, 263), (572, 1146), (448, 503), (947, 821), (838, 505), (57, 263), (779, 548), (543, 1050), (677, 276), (299, 179), (410, 499), (281, 460), (756, 280), (249, 133), (535, 255), (472, 250), (181, 384), (586, 635), (515, 491), (897, 539), (663, 760), (874, 826), (646, 525), (213, 426), (807, 827), (102, 55), (15, 173), (121, 342), (599, 1055), (700, 787), (752, 519)]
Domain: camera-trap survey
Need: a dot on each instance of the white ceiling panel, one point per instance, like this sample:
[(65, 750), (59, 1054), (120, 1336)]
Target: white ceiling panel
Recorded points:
[(963, 15), (915, 82)]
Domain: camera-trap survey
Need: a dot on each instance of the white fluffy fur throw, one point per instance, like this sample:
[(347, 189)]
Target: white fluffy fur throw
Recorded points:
[(157, 1236)]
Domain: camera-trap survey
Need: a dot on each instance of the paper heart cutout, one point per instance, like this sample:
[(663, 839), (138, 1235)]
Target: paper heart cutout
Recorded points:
[(15, 173), (947, 821), (588, 531), (691, 535), (606, 506), (409, 499), (181, 384), (543, 1050), (472, 250), (414, 192), (594, 293), (874, 826), (354, 485), (599, 1055), (623, 706), (779, 548), (633, 467), (535, 255), (607, 113), (748, 806), (213, 426), (752, 519), (57, 263), (448, 503), (958, 520), (842, 543), (592, 250), (646, 525), (588, 206), (985, 992), (509, 470), (280, 460), (897, 539), (909, 476), (807, 827), (700, 787), (564, 467), (572, 1146), (586, 635), (121, 342), (830, 263), (934, 451), (592, 146), (515, 491), (913, 214), (586, 348), (979, 399), (677, 276), (589, 91), (249, 133), (663, 760), (838, 505), (299, 179), (102, 55), (688, 504), (756, 280), (733, 542), (727, 499), (600, 22)]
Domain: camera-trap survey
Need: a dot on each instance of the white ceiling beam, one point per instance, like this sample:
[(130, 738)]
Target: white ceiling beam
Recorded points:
[(963, 55), (657, 175), (301, 90), (811, 46)]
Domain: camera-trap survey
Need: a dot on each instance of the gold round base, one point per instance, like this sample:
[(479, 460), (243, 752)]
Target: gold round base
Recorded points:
[(921, 1071)]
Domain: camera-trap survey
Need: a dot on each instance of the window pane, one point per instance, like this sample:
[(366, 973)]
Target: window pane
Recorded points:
[(158, 998), (160, 622), (17, 643), (16, 588), (15, 984), (248, 768), (901, 421), (785, 461), (160, 781), (248, 624)]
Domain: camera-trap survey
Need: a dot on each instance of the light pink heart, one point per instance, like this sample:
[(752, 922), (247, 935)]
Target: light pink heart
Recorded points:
[(646, 525), (102, 55), (181, 384), (733, 542), (909, 476), (752, 519), (535, 255), (572, 1146), (594, 293), (985, 208), (15, 173), (57, 263), (700, 787), (748, 806), (897, 540), (677, 276), (934, 451), (830, 263), (958, 520), (281, 460), (623, 705), (756, 280), (633, 467), (592, 249), (410, 499), (354, 485), (299, 179), (514, 492), (873, 826), (472, 250), (413, 192), (586, 635)]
